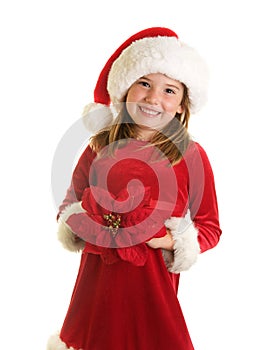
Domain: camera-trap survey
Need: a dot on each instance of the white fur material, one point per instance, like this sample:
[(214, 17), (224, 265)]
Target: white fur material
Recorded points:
[(74, 208), (97, 116), (186, 245), (67, 238), (55, 343), (166, 55), (65, 235)]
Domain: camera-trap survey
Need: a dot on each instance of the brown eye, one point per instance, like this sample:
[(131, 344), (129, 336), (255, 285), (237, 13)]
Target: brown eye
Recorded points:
[(144, 83), (170, 91)]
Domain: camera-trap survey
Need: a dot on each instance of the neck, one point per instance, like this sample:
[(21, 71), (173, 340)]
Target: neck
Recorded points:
[(144, 134)]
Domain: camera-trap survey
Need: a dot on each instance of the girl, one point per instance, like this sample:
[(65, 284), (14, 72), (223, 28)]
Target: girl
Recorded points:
[(142, 202)]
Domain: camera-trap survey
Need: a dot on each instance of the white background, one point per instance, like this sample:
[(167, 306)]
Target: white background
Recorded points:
[(51, 54)]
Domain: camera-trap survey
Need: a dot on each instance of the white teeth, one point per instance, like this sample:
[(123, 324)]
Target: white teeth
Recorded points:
[(149, 111)]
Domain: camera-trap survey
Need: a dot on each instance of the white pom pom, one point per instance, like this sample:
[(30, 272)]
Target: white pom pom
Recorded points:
[(97, 116)]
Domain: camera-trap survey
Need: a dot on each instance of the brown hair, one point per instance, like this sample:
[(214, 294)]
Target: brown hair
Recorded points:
[(172, 141)]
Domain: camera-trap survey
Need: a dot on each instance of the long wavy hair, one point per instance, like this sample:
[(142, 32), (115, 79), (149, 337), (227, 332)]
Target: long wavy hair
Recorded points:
[(172, 140)]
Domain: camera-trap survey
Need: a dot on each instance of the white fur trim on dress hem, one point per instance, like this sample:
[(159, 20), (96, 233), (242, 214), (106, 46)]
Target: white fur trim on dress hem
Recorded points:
[(55, 343), (186, 246), (65, 235)]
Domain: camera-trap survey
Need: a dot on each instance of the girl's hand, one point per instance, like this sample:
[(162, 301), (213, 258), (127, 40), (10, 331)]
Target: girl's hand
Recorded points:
[(165, 242)]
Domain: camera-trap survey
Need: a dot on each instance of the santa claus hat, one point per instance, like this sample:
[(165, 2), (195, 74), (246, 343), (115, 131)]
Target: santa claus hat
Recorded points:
[(153, 50)]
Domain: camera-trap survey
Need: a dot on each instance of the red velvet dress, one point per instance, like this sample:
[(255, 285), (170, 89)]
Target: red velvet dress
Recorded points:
[(124, 297)]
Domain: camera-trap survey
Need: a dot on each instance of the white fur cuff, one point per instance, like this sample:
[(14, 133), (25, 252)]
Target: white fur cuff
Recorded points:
[(186, 245), (55, 343), (65, 235), (68, 239)]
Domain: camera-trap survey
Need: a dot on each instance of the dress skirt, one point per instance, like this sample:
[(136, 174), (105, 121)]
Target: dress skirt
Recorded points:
[(120, 306)]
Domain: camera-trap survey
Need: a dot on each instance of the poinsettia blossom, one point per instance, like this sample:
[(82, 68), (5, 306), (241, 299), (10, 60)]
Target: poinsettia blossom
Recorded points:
[(125, 222)]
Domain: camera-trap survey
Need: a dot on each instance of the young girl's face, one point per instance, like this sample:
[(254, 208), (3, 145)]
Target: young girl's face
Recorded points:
[(153, 100)]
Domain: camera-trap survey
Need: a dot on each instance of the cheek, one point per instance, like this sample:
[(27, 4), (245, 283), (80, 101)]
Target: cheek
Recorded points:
[(173, 107), (135, 93), (132, 95)]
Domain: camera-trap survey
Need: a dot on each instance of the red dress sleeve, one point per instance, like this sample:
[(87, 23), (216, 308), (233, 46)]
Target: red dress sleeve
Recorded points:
[(203, 204), (80, 179)]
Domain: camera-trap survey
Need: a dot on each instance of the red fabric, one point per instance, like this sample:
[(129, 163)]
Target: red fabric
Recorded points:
[(124, 298), (120, 306)]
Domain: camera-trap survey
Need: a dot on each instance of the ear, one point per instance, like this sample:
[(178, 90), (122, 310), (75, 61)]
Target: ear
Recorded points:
[(180, 109)]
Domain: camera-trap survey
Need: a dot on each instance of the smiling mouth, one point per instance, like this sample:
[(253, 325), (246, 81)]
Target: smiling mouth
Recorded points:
[(149, 112)]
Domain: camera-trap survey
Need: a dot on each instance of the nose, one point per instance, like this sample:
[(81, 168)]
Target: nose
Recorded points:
[(152, 97)]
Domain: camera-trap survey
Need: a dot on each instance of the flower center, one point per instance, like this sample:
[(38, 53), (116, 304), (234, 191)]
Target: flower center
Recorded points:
[(113, 222)]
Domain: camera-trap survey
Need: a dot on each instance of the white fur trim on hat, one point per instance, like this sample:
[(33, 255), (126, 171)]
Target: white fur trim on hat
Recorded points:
[(161, 54), (186, 245), (97, 116), (65, 235), (55, 343)]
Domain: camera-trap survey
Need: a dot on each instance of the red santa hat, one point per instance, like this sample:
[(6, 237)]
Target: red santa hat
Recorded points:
[(153, 50)]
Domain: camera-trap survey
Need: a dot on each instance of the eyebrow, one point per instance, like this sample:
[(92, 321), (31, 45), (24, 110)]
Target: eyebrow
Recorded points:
[(173, 86), (169, 85)]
